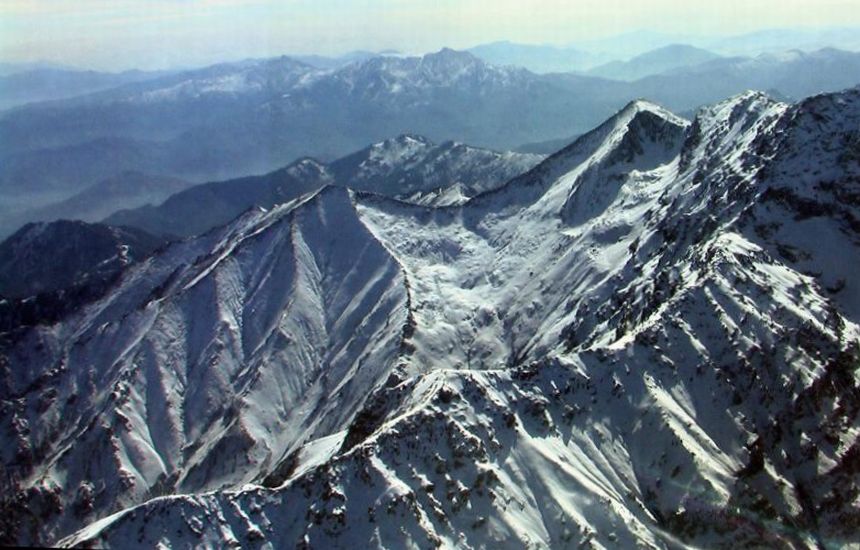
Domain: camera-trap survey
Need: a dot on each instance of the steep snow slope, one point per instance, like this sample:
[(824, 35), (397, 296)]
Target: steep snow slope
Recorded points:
[(203, 367), (476, 271), (637, 342)]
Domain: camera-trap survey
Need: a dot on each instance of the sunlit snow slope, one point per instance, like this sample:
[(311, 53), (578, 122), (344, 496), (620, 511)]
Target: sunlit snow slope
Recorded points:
[(650, 339)]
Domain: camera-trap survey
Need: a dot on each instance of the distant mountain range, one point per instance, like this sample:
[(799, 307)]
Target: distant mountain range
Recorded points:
[(536, 58), (631, 44), (661, 60), (125, 190), (335, 62), (545, 147), (251, 117), (583, 56), (8, 68), (792, 75), (780, 40), (45, 83)]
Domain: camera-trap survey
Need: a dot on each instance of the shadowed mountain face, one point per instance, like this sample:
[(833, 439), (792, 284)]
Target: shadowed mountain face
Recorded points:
[(625, 345), (49, 270), (252, 117), (44, 257)]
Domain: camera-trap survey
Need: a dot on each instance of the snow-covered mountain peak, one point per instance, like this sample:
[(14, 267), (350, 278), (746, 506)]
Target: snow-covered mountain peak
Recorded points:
[(397, 147), (727, 131), (309, 169), (396, 76), (642, 136), (415, 169), (639, 342), (637, 106), (638, 121), (450, 54), (258, 76), (406, 139), (813, 179), (286, 62), (292, 315), (743, 109), (641, 125)]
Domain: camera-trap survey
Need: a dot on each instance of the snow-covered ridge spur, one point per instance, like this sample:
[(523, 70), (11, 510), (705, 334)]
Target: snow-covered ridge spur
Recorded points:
[(407, 167), (641, 341)]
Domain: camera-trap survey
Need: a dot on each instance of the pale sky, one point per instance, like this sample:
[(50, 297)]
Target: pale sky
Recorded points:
[(119, 34)]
